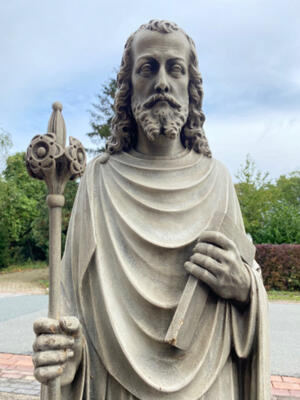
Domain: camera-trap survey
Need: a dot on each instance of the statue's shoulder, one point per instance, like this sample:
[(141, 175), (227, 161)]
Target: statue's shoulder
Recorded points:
[(103, 158), (92, 174), (100, 159), (221, 168), (96, 163)]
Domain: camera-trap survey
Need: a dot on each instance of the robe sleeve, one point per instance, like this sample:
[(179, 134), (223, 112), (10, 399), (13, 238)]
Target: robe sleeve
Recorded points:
[(250, 330), (250, 335)]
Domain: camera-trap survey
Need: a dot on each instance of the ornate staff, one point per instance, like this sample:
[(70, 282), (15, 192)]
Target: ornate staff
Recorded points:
[(48, 159)]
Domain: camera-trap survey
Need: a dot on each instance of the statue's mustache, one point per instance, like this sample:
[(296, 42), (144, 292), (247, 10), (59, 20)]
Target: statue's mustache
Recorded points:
[(161, 97)]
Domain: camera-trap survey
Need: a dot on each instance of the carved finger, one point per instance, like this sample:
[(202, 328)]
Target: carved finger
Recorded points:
[(217, 238), (70, 325), (52, 342), (207, 262), (51, 357), (210, 250), (201, 273), (46, 325), (46, 374)]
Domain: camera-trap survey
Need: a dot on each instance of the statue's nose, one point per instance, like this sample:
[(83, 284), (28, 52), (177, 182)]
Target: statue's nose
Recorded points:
[(161, 85)]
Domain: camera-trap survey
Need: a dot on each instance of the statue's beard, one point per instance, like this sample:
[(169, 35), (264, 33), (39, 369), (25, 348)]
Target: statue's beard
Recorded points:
[(166, 120)]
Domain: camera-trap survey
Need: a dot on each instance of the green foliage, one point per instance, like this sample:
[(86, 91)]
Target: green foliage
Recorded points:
[(255, 194), (271, 211), (281, 224), (24, 213), (4, 245), (19, 205), (5, 145), (289, 188), (101, 116), (280, 265)]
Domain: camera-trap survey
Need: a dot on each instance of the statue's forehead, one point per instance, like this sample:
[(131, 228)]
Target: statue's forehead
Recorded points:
[(147, 43)]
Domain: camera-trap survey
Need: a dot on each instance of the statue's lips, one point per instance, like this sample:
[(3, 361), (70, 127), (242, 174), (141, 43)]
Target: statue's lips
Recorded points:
[(161, 98)]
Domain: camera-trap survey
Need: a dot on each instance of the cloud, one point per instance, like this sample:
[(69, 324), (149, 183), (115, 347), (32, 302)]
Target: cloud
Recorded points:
[(272, 140), (63, 50)]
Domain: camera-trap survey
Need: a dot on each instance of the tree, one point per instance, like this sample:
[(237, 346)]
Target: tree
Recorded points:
[(24, 213), (4, 237), (20, 204), (256, 195), (281, 224), (101, 116), (271, 211), (289, 188), (5, 145)]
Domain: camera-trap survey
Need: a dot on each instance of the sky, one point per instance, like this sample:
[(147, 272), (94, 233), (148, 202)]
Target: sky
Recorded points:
[(249, 57)]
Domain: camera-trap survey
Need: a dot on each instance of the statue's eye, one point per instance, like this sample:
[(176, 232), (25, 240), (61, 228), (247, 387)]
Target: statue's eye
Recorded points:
[(176, 69), (146, 69)]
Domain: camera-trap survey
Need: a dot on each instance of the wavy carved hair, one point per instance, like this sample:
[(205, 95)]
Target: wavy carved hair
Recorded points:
[(124, 128)]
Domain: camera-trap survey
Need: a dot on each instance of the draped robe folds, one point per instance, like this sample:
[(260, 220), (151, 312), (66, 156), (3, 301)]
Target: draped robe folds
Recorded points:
[(134, 223)]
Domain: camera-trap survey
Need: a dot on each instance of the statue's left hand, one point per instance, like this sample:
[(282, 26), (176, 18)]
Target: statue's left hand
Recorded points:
[(217, 262)]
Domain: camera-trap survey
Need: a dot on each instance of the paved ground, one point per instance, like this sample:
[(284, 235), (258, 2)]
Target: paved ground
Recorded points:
[(285, 339), (14, 396), (16, 375), (17, 314), (285, 387), (16, 378), (18, 311)]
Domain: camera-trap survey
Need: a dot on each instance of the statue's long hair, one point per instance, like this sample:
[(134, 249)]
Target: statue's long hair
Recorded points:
[(124, 128)]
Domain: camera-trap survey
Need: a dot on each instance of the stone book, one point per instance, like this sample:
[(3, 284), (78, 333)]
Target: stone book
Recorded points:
[(193, 299)]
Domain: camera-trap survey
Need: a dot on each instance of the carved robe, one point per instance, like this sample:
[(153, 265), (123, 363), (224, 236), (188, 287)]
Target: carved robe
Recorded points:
[(134, 224)]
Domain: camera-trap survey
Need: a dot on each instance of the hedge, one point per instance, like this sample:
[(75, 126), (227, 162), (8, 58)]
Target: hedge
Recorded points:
[(280, 264)]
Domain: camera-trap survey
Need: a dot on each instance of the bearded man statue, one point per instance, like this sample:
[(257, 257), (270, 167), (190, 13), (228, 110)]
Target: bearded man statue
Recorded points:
[(140, 230)]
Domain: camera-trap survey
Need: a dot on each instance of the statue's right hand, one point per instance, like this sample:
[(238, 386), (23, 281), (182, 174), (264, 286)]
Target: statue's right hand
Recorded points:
[(57, 349)]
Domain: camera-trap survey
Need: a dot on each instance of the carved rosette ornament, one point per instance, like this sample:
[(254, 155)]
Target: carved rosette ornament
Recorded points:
[(76, 155), (42, 154), (48, 158)]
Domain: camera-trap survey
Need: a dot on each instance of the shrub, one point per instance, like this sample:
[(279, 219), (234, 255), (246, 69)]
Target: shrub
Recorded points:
[(4, 246), (280, 265)]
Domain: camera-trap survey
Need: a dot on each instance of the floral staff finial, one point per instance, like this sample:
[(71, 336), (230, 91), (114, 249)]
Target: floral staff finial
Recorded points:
[(48, 158)]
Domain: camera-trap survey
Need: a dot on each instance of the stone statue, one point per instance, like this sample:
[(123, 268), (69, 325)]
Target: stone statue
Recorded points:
[(140, 229)]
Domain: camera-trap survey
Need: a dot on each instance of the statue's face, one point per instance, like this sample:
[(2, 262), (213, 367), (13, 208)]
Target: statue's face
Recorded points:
[(160, 80)]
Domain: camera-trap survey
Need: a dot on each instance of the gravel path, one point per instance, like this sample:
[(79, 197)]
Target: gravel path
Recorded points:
[(24, 281)]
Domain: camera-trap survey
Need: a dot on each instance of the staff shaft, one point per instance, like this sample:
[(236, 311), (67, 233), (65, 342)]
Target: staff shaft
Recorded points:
[(49, 159), (55, 203), (54, 261)]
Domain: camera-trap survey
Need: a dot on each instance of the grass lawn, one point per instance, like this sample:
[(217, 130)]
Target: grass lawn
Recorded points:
[(24, 267), (278, 295)]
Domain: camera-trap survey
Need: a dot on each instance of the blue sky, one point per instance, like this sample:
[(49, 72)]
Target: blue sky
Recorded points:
[(249, 57)]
